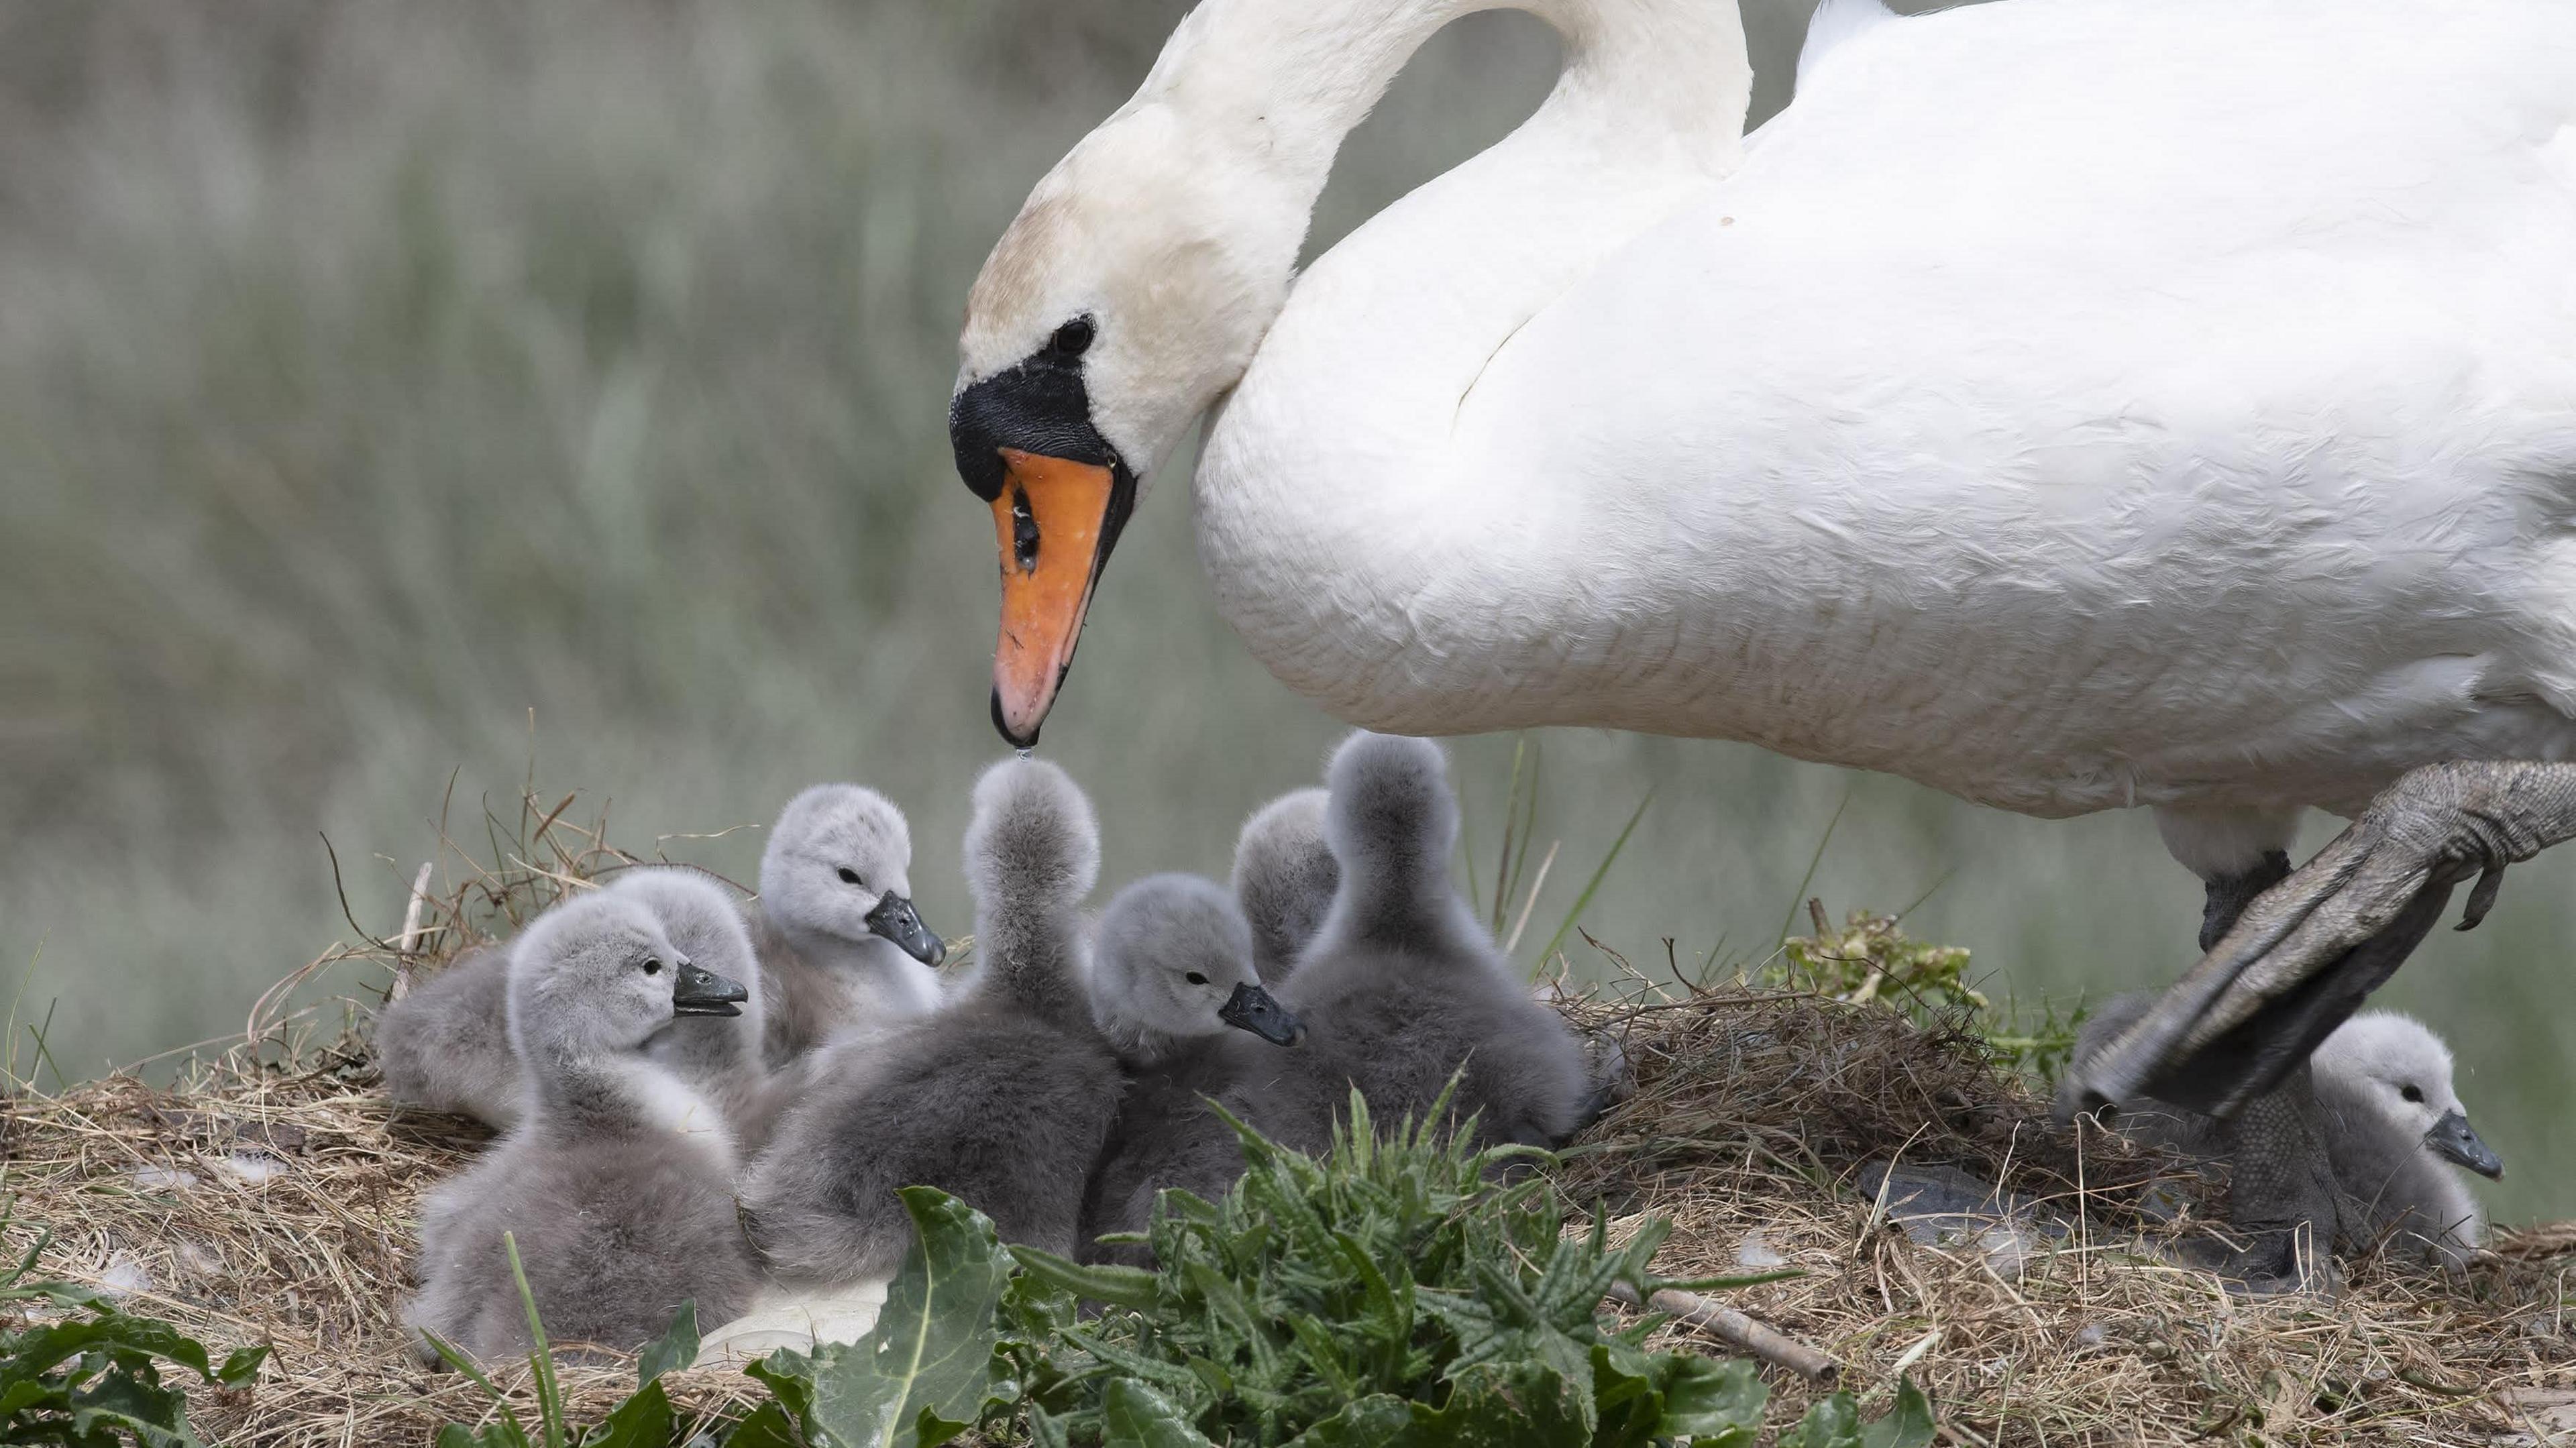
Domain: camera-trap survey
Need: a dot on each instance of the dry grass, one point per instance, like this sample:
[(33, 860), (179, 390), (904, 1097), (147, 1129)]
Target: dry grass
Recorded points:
[(268, 1195), (1754, 1112)]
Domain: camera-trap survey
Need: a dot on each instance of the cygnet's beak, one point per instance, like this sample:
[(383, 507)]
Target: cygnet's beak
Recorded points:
[(2453, 1139), (705, 993), (896, 920), (1253, 1009)]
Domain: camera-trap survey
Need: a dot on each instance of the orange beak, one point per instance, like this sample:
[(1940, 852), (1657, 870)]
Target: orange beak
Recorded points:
[(1049, 520)]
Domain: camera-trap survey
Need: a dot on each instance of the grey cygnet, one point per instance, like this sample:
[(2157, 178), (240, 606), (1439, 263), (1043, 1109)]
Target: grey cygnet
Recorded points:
[(617, 1184), (1401, 986), (721, 1056), (839, 940), (445, 1046), (1172, 979), (1284, 878), (1002, 1099)]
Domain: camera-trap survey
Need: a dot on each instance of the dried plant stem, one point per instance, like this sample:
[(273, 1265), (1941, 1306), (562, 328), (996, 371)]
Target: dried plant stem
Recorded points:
[(1767, 1343)]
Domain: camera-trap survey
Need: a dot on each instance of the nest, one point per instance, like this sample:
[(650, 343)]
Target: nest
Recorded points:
[(269, 1195), (1755, 1112)]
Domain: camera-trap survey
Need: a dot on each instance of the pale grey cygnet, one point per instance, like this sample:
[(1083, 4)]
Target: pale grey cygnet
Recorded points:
[(2395, 1131), (722, 1056), (445, 1046), (840, 942), (1172, 978), (1002, 1099), (2386, 1111), (1284, 878), (617, 1184), (1401, 986)]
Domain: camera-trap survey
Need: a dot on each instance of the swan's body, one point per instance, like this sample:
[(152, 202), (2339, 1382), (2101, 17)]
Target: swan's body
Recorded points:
[(2063, 450), (617, 1182)]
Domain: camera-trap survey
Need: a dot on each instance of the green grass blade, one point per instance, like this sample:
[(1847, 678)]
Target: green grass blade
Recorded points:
[(1565, 927)]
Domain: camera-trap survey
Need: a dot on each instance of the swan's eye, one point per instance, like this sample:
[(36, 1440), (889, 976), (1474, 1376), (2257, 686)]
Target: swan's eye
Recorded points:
[(2412, 1093), (851, 877), (652, 965), (1195, 978), (1071, 339)]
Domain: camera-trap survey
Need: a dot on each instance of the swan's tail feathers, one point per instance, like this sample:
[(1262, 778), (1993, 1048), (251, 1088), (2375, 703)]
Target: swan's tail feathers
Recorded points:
[(800, 1321), (1835, 22)]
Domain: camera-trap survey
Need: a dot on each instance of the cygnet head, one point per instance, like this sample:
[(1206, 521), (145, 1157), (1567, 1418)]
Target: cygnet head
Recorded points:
[(599, 975), (1172, 962), (704, 926), (839, 867), (1284, 879), (1034, 843), (2396, 1068)]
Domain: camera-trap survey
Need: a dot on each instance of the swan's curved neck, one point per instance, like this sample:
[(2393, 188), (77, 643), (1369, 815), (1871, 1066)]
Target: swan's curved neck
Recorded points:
[(1337, 451), (1280, 83)]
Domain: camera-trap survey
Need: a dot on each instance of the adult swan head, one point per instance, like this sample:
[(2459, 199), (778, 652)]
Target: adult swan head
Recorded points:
[(1140, 279), (2068, 405)]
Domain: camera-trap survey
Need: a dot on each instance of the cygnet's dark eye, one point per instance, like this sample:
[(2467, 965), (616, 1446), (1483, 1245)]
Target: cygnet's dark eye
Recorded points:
[(652, 965), (1195, 978), (1071, 339), (2412, 1093), (850, 876)]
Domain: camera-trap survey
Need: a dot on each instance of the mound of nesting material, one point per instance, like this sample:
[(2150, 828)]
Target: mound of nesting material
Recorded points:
[(270, 1196), (275, 1201), (1755, 1113)]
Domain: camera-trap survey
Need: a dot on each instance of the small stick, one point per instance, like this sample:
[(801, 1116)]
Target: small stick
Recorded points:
[(1763, 1341), (406, 942)]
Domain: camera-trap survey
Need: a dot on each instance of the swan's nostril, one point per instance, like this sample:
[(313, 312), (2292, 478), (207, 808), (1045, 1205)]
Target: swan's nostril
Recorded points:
[(1024, 532)]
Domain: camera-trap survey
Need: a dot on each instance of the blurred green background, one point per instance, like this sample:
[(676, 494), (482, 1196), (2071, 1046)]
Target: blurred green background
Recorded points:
[(377, 380)]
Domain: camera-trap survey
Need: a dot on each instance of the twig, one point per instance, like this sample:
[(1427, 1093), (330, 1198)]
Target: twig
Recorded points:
[(409, 940), (1763, 1341)]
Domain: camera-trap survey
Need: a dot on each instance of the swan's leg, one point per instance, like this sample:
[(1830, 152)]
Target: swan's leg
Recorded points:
[(2238, 854), (2304, 955), (2281, 1198)]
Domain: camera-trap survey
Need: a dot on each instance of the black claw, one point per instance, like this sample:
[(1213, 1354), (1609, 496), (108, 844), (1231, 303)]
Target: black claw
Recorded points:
[(2482, 898)]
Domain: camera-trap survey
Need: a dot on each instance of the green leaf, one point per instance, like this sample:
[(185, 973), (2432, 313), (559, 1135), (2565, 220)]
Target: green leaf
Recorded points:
[(40, 1350), (642, 1421), (241, 1365), (768, 1427), (1907, 1425), (1133, 1415), (1363, 1423), (1114, 1285), (1712, 1403), (932, 1346), (677, 1347), (1833, 1422)]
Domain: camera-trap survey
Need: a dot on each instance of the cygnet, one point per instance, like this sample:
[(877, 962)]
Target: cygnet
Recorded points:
[(616, 1185), (1284, 878), (2394, 1131), (1401, 987), (721, 1056), (445, 1046), (1002, 1099), (1171, 978), (839, 941)]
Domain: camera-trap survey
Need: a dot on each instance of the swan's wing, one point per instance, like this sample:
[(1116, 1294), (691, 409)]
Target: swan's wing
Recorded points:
[(1833, 23)]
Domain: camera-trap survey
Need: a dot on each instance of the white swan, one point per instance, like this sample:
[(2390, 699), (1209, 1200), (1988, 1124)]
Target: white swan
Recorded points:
[(2069, 404)]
